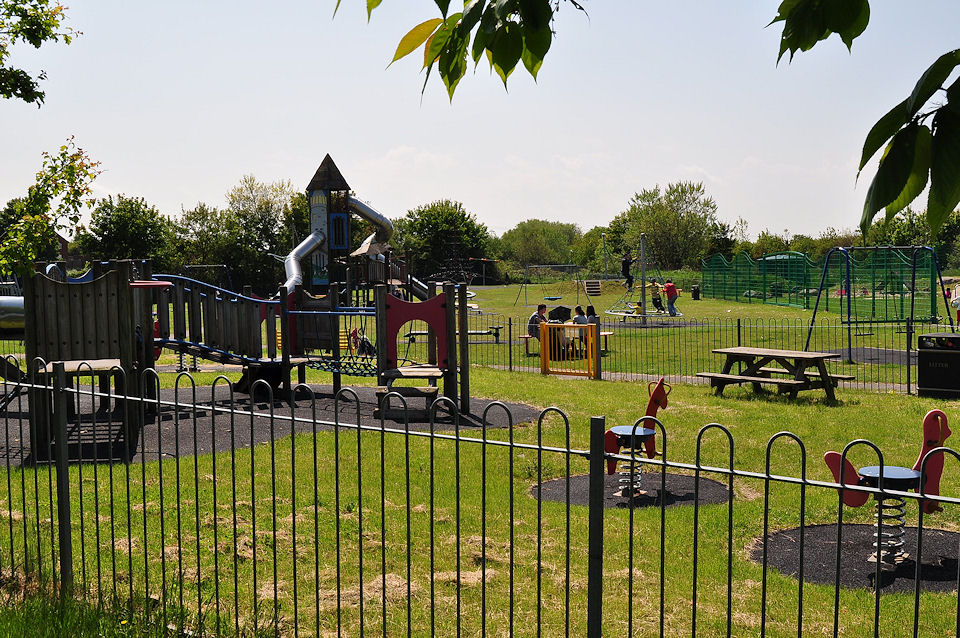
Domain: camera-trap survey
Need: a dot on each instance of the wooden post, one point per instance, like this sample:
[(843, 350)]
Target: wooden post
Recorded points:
[(450, 374), (464, 344)]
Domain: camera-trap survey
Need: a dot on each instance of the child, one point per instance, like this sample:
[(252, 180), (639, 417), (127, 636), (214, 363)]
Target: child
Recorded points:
[(655, 296)]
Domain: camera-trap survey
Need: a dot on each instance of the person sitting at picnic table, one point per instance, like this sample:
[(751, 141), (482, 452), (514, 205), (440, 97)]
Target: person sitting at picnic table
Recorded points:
[(592, 315), (579, 316), (670, 290), (533, 323)]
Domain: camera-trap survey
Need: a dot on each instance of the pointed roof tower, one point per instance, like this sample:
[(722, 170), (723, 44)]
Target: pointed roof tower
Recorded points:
[(328, 177)]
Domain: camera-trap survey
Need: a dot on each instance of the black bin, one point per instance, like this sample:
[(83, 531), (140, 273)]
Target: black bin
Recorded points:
[(695, 292), (938, 364)]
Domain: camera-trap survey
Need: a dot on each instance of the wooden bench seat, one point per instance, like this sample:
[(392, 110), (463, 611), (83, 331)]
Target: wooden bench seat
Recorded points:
[(387, 411), (737, 378), (489, 330), (414, 372), (82, 366), (810, 373), (720, 380)]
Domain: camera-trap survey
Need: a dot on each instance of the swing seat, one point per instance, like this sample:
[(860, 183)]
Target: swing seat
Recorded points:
[(552, 298)]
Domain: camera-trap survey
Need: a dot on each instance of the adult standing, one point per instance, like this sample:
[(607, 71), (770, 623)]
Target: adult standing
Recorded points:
[(670, 290)]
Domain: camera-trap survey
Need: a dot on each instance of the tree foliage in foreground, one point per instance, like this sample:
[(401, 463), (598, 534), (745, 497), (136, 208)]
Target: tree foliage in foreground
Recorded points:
[(30, 22), (52, 204), (920, 136)]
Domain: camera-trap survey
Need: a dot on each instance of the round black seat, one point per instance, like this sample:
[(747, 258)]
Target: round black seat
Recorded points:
[(630, 437), (894, 477)]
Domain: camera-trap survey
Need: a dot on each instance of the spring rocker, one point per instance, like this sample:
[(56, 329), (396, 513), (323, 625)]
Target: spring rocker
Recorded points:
[(891, 510), (633, 440)]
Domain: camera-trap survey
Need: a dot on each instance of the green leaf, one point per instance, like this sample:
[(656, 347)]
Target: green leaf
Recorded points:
[(882, 131), (490, 22), (847, 18), (507, 49), (535, 47), (371, 5), (472, 13), (415, 37), (504, 8), (803, 26), (931, 80), (443, 5), (917, 180), (438, 41), (480, 41), (452, 64), (536, 14), (784, 10), (892, 174), (953, 96), (944, 192)]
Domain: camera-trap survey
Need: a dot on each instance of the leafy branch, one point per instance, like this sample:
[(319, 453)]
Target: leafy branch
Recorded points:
[(30, 22), (54, 203), (505, 32), (920, 148)]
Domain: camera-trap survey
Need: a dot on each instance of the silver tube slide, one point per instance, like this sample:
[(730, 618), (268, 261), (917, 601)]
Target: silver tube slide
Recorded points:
[(11, 314), (372, 215), (291, 264)]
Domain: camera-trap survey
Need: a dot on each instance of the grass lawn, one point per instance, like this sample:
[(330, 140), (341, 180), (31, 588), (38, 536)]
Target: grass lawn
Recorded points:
[(253, 533)]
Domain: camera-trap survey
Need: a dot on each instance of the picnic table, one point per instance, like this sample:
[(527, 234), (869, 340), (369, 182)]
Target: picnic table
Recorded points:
[(798, 370)]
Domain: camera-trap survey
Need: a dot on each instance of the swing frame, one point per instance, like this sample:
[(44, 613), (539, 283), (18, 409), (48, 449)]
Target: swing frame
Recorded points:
[(576, 269), (847, 317)]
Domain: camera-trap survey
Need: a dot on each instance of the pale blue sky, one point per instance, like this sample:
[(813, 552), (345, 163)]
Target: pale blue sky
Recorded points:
[(180, 99)]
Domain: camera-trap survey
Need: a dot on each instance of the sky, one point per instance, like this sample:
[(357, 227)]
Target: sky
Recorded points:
[(180, 99)]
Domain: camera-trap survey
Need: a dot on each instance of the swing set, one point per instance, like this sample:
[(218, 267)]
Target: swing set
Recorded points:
[(880, 285), (567, 271)]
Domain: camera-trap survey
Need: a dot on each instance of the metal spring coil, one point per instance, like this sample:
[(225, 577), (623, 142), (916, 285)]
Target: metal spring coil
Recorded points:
[(634, 467), (891, 517)]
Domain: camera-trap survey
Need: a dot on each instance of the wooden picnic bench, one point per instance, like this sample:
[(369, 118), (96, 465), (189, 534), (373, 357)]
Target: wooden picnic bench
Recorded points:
[(799, 370), (489, 330)]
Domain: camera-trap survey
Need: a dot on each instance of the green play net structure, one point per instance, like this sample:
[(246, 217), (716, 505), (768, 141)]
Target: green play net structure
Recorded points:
[(864, 284), (784, 279)]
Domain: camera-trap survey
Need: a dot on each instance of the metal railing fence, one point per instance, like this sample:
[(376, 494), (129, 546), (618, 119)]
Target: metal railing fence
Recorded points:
[(227, 516), (880, 356)]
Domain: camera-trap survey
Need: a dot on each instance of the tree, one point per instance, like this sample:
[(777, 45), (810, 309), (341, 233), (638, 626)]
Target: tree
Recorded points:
[(676, 220), (52, 204), (129, 228), (539, 241), (30, 22), (921, 141), (429, 236)]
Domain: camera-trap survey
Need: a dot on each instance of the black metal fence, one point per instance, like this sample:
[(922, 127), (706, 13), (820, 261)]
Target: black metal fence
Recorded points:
[(881, 356), (227, 515)]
